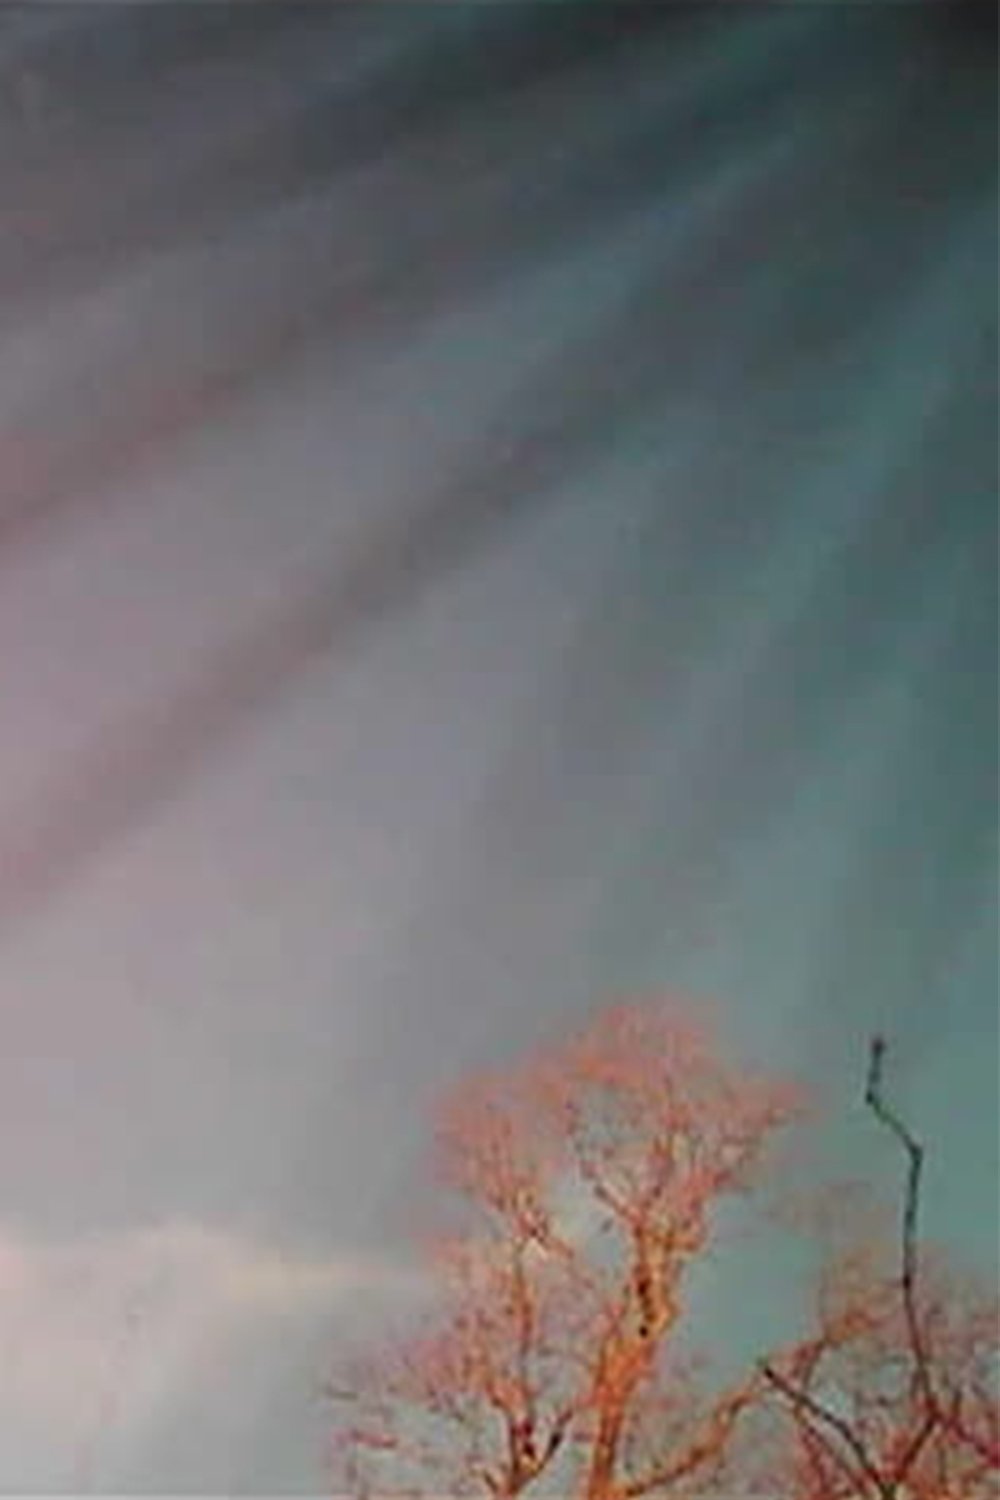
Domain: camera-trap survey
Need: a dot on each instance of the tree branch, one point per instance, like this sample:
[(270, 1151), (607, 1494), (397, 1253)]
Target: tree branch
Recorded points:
[(875, 1100), (806, 1404), (820, 1414), (708, 1444)]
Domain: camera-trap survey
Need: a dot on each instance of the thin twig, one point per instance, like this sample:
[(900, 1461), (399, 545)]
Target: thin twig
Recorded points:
[(911, 1207), (819, 1415)]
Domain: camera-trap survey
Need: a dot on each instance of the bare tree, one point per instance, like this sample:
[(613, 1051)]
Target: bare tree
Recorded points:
[(588, 1175)]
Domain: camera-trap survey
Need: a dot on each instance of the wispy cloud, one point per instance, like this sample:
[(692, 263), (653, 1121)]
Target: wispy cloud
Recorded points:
[(100, 1334)]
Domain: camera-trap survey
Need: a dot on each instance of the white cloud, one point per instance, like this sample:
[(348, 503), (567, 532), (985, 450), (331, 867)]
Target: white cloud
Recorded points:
[(99, 1334)]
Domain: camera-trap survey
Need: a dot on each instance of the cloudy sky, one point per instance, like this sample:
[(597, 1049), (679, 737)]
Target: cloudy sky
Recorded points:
[(498, 510)]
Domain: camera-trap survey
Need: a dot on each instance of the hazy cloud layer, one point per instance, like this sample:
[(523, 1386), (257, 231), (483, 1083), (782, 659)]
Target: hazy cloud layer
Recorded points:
[(100, 1336), (496, 512)]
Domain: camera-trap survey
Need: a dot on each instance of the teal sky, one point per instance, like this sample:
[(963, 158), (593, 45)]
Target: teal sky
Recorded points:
[(498, 511)]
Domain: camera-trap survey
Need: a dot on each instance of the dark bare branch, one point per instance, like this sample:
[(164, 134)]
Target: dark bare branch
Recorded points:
[(875, 1100)]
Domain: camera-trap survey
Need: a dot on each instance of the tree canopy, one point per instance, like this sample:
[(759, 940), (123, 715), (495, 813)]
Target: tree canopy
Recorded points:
[(590, 1174)]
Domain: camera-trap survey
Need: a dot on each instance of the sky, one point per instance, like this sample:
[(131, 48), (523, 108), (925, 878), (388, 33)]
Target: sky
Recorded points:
[(498, 512)]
